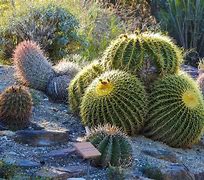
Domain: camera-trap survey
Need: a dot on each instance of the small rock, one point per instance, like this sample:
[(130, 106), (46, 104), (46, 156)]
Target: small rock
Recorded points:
[(41, 137), (7, 133), (27, 164), (60, 152), (177, 172), (162, 154), (61, 173)]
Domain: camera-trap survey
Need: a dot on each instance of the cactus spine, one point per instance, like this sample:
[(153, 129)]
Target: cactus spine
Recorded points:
[(176, 114), (114, 146), (115, 97), (146, 55), (80, 83), (32, 67), (15, 107)]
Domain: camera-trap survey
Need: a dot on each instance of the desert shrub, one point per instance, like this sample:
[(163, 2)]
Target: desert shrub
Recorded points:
[(50, 25), (184, 21), (136, 14), (7, 171)]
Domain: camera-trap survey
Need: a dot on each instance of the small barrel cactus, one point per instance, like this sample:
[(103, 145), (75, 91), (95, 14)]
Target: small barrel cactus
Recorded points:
[(58, 87), (80, 83), (32, 67), (66, 68), (147, 55), (176, 114), (200, 81), (15, 107), (114, 146), (115, 97)]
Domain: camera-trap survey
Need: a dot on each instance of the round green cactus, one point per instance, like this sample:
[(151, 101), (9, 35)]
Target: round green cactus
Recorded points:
[(15, 107), (115, 97), (147, 55), (113, 144), (176, 114), (32, 67), (81, 81)]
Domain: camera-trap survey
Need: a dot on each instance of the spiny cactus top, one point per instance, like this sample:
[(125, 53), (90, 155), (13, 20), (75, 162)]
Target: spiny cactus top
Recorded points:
[(81, 81), (66, 68), (113, 144), (143, 54), (32, 67), (176, 114), (115, 97), (15, 107)]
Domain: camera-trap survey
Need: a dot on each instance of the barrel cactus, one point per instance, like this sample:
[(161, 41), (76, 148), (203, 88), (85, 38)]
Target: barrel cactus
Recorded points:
[(147, 55), (115, 97), (66, 68), (15, 107), (57, 88), (176, 114), (113, 144), (32, 67), (80, 83)]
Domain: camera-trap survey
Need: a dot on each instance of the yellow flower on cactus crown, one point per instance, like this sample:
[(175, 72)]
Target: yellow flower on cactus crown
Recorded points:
[(190, 99), (104, 87)]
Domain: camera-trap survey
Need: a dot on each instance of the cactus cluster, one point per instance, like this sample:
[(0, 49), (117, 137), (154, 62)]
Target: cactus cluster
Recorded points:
[(80, 82), (113, 144), (147, 55), (115, 97), (176, 113), (15, 107), (32, 67)]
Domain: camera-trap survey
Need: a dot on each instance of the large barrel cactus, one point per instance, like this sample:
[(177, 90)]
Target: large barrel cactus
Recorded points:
[(148, 55), (113, 144), (15, 107), (32, 67), (81, 81), (176, 114), (115, 97)]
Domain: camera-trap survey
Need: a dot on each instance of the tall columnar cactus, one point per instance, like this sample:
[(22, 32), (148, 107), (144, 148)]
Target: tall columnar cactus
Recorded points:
[(66, 68), (200, 81), (114, 146), (176, 114), (32, 67), (115, 97), (57, 88), (15, 107), (148, 55), (81, 81)]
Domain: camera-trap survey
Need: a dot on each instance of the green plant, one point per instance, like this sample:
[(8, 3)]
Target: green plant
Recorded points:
[(15, 107), (49, 24), (32, 67), (116, 173), (7, 171), (66, 68), (115, 97), (184, 21), (147, 54), (176, 112), (57, 88), (81, 81), (114, 146)]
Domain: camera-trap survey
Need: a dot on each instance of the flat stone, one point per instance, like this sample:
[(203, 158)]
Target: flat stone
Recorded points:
[(61, 173), (162, 154), (177, 172), (41, 137), (60, 153), (7, 133), (27, 164)]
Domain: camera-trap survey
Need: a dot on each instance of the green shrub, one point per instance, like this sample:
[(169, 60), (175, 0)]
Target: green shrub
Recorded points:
[(7, 171), (184, 20), (50, 25)]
